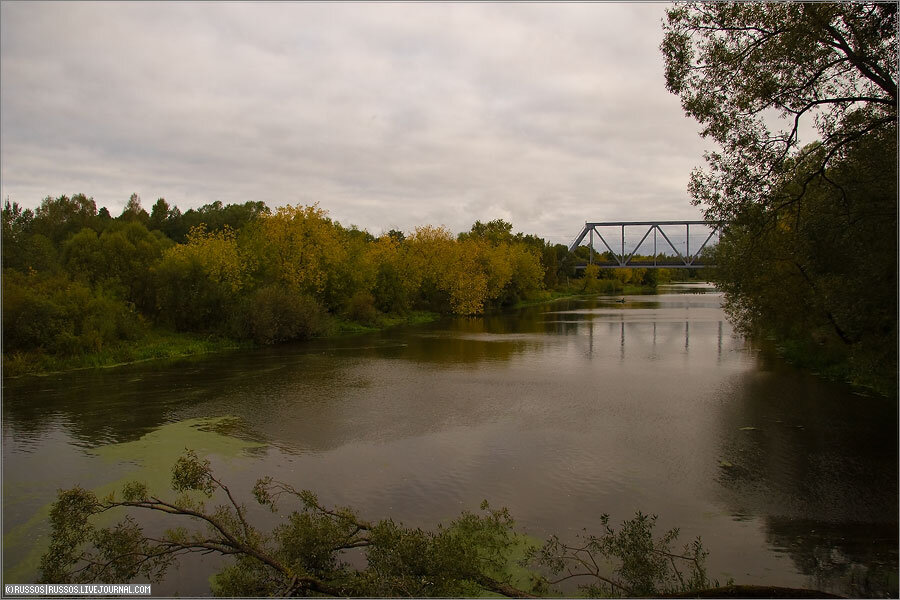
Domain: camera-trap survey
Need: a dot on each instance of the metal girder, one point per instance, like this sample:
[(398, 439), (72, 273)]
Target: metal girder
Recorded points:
[(688, 260)]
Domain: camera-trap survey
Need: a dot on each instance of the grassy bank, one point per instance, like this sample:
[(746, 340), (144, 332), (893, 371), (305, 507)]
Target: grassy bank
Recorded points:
[(166, 344), (417, 317), (836, 363), (155, 344), (604, 287), (160, 343)]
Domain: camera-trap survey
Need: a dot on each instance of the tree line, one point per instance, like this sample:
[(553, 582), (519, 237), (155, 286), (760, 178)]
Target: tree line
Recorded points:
[(77, 280)]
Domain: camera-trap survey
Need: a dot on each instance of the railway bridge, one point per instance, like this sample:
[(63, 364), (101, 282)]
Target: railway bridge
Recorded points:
[(663, 232)]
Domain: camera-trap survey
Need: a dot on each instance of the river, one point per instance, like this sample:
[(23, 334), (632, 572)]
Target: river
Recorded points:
[(560, 412)]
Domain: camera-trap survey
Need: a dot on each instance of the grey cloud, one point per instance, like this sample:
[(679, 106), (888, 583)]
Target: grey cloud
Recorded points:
[(388, 115)]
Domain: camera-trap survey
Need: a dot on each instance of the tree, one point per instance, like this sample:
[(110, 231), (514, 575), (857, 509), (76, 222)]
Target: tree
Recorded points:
[(129, 252), (83, 256), (645, 565), (527, 274), (838, 255), (806, 227), (134, 212), (215, 216), (735, 66), (54, 314), (304, 555), (197, 283), (158, 215), (396, 280), (58, 218), (16, 227), (495, 232), (298, 247)]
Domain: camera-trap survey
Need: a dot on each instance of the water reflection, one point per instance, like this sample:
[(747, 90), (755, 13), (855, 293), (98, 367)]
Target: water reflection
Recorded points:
[(821, 465), (561, 412)]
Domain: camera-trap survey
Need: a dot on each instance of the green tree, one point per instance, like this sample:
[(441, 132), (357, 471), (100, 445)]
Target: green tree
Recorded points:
[(495, 232), (22, 248), (215, 217), (198, 284), (52, 314), (837, 252), (58, 218), (129, 253), (396, 280), (305, 555), (84, 257), (159, 214), (274, 314), (133, 211), (735, 65), (16, 227), (809, 252)]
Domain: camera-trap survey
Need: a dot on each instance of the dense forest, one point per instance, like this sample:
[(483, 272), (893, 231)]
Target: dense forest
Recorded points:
[(80, 283)]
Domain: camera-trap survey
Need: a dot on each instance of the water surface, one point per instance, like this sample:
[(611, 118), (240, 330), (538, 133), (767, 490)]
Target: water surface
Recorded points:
[(561, 412)]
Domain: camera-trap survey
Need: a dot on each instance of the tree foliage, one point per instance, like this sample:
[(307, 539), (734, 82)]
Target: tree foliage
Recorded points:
[(244, 271), (809, 252), (823, 274), (642, 564), (307, 553), (740, 67)]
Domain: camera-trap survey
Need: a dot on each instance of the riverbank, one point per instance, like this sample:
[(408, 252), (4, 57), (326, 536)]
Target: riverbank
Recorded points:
[(162, 344), (574, 291), (833, 363), (156, 344)]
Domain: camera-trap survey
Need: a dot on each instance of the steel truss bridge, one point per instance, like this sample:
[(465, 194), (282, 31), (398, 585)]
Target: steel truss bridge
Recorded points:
[(685, 260)]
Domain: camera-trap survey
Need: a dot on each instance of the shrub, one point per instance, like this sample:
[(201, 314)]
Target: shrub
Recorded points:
[(66, 317), (361, 308), (275, 314)]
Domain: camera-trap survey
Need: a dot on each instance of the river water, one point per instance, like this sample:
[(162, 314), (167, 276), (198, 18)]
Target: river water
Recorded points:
[(560, 412)]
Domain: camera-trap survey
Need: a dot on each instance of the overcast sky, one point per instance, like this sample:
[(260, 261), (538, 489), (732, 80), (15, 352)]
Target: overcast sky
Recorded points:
[(387, 115)]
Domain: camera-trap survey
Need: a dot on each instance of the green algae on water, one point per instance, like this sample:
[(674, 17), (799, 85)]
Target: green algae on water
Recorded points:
[(149, 460)]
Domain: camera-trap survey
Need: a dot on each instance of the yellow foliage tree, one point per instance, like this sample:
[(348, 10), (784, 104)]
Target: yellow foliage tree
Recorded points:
[(497, 263), (527, 273), (464, 277), (591, 272), (218, 254), (623, 276), (397, 278), (299, 246)]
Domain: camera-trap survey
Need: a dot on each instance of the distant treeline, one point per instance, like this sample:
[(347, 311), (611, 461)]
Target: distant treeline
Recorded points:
[(76, 280)]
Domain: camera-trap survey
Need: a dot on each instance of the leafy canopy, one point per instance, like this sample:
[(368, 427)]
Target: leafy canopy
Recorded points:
[(753, 74)]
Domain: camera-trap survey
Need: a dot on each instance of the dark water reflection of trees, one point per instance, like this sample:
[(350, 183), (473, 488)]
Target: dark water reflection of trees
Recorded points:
[(822, 470)]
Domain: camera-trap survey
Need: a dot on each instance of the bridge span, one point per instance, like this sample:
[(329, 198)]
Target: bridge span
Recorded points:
[(660, 260)]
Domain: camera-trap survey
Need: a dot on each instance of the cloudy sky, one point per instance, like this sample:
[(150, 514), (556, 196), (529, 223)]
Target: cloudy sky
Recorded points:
[(388, 115)]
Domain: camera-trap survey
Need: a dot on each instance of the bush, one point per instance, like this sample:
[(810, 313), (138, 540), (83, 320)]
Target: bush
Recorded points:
[(56, 315), (186, 297), (361, 308), (275, 314)]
